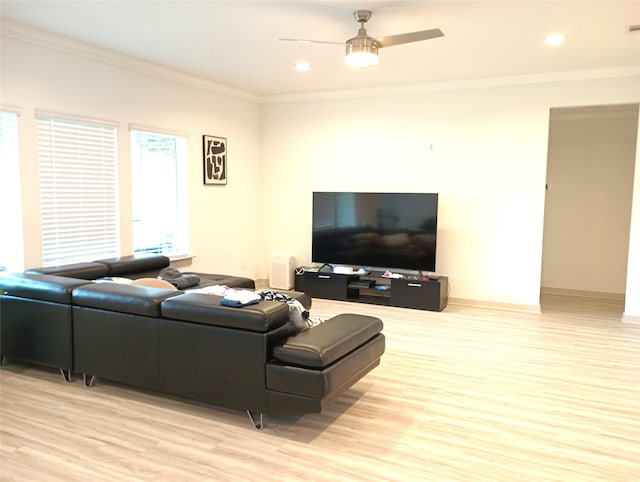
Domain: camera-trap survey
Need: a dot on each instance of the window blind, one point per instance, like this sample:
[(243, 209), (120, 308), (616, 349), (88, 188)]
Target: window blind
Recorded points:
[(78, 190)]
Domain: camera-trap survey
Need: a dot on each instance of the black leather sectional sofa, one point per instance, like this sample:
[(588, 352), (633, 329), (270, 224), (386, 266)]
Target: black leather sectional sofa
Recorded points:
[(180, 342)]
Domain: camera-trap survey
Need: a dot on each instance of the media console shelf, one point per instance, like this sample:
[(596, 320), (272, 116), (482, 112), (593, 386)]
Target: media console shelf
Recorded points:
[(431, 294)]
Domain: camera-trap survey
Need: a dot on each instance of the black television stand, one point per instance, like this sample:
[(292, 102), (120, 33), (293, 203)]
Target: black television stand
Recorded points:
[(430, 293)]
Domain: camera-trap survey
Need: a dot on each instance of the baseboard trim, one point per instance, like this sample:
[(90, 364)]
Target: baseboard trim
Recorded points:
[(494, 305), (634, 320), (594, 295)]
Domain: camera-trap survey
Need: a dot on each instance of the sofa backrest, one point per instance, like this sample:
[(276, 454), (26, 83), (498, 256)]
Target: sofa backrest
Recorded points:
[(132, 266), (122, 298), (41, 287), (86, 271), (262, 317), (138, 265)]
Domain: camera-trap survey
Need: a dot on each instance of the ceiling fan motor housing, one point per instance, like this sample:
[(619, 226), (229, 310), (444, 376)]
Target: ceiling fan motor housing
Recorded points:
[(362, 44)]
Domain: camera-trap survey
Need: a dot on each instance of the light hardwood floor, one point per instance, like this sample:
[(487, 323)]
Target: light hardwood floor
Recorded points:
[(468, 394)]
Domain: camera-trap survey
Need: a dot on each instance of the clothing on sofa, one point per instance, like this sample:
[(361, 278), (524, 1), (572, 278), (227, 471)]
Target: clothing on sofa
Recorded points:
[(178, 279), (218, 290), (238, 298), (270, 295), (297, 313)]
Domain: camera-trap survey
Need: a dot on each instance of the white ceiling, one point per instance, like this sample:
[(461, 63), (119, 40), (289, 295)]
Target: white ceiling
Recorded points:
[(235, 43)]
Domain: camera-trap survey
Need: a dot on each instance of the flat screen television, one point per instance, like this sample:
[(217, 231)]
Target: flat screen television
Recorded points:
[(375, 230)]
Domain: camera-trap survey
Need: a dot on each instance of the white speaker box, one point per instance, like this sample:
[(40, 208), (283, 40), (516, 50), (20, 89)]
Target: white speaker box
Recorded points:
[(281, 276)]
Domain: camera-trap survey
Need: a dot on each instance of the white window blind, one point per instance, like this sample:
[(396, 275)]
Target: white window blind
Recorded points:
[(11, 246), (159, 193), (78, 190)]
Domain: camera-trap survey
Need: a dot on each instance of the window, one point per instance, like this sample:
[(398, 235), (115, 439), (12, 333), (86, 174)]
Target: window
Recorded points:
[(11, 247), (78, 190), (159, 193)]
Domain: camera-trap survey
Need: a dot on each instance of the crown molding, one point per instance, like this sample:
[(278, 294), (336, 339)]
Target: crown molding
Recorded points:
[(452, 85), (81, 49)]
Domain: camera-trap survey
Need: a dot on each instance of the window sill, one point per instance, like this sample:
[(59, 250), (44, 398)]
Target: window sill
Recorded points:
[(181, 257)]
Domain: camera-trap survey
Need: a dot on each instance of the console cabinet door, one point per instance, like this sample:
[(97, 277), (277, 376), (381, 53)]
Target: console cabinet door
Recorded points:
[(326, 285), (424, 295)]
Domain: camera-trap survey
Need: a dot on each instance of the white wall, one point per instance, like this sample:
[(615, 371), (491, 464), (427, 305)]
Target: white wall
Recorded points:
[(488, 163), (223, 227)]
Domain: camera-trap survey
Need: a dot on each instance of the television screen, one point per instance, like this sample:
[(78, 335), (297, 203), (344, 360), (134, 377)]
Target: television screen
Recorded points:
[(377, 230)]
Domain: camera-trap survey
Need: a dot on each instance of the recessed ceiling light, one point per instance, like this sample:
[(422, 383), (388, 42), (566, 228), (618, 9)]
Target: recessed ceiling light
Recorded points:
[(554, 39), (302, 66)]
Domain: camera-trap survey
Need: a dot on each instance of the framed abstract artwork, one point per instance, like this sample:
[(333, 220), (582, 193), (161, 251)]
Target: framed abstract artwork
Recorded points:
[(214, 156)]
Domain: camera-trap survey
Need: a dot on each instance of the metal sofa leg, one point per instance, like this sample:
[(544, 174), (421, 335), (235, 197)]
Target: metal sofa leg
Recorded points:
[(89, 380), (66, 374), (257, 423)]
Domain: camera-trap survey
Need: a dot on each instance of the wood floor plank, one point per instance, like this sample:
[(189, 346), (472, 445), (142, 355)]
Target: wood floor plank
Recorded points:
[(469, 394)]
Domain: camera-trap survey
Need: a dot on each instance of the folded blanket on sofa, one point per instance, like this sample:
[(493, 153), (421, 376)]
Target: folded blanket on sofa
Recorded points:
[(178, 279), (238, 298)]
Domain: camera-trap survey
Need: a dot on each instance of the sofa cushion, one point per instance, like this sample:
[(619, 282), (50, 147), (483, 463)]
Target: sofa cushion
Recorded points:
[(321, 345), (135, 263)]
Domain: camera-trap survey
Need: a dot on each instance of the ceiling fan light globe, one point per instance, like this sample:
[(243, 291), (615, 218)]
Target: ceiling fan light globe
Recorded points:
[(361, 52), (361, 59)]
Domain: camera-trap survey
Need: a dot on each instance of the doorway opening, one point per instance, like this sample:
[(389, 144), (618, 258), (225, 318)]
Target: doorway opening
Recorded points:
[(590, 169)]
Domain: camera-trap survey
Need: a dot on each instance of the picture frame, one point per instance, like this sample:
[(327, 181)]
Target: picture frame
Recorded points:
[(214, 160)]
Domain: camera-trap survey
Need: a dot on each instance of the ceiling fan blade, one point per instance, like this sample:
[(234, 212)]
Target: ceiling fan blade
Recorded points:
[(306, 41), (405, 38)]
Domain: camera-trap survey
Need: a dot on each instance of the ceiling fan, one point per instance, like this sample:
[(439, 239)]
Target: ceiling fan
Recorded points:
[(362, 50)]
